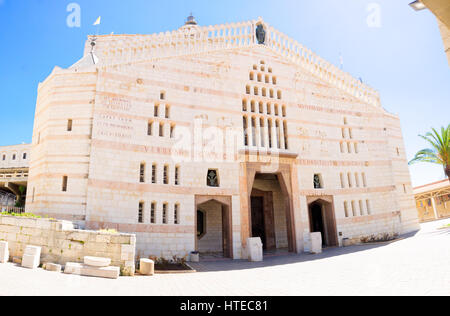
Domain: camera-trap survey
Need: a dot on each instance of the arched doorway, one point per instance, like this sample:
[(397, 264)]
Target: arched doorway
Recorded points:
[(7, 197), (270, 212), (322, 219), (213, 218)]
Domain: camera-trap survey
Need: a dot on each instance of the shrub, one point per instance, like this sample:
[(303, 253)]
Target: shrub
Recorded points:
[(28, 215)]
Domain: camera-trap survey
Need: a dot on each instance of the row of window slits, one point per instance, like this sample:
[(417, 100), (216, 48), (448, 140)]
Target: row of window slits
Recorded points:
[(318, 182), (261, 106), (274, 141), (354, 213), (262, 67), (14, 156), (161, 129), (349, 181), (164, 214), (271, 94), (156, 114), (266, 78), (166, 168)]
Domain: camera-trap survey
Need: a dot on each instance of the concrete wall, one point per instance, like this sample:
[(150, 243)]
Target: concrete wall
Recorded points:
[(61, 243)]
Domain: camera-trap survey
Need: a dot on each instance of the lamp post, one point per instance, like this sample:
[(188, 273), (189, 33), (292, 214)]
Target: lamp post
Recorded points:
[(418, 5)]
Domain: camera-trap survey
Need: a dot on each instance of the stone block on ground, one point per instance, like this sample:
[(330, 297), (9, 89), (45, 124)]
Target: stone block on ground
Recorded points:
[(100, 272), (306, 242), (194, 257), (53, 267), (255, 249), (146, 267), (97, 261), (316, 243), (30, 261), (4, 252), (17, 260), (31, 257), (32, 250)]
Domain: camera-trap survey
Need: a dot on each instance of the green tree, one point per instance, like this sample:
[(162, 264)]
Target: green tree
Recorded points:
[(439, 153)]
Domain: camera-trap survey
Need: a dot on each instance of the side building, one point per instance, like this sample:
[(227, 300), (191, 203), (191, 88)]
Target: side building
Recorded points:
[(14, 161), (433, 201)]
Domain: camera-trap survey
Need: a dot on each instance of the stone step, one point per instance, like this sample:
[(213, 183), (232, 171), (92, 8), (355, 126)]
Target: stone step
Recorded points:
[(99, 272), (97, 261)]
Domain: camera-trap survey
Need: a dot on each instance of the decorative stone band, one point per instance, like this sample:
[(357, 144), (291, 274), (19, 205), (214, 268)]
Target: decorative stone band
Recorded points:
[(123, 49)]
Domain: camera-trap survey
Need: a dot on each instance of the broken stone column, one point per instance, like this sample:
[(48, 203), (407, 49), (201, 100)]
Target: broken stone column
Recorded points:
[(4, 252), (94, 267), (255, 249), (146, 267), (83, 269), (316, 243), (97, 262), (31, 257)]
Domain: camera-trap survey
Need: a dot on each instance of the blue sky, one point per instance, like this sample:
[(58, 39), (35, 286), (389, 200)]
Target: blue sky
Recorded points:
[(403, 58)]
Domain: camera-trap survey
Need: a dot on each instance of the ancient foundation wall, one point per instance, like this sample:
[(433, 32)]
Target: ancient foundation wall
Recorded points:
[(61, 243)]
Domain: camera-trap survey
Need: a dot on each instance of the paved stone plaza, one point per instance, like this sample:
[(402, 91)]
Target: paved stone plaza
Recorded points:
[(418, 265)]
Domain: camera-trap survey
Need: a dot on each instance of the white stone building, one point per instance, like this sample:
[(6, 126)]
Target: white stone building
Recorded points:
[(199, 138)]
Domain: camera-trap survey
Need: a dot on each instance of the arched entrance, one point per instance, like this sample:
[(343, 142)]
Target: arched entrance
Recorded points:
[(213, 218), (322, 219), (270, 212), (7, 197)]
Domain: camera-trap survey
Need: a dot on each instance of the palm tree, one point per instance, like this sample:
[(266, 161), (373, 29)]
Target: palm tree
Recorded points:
[(440, 151)]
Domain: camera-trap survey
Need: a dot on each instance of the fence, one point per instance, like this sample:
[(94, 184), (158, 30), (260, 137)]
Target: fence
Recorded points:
[(12, 209)]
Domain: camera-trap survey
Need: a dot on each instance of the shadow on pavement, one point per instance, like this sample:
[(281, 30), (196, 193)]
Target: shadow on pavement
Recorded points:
[(285, 259)]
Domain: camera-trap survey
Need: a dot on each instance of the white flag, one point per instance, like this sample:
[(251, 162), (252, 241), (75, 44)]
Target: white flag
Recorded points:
[(97, 22)]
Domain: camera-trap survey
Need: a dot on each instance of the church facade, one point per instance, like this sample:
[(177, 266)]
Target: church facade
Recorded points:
[(200, 138)]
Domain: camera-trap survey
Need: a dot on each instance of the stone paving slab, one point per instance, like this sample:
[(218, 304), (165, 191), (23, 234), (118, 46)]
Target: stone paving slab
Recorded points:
[(417, 265)]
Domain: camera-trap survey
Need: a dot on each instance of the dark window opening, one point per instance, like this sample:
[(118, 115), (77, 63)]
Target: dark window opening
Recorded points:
[(64, 184), (212, 178), (200, 224), (141, 212), (318, 182)]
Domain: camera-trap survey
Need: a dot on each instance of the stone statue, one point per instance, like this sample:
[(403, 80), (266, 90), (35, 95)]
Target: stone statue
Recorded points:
[(260, 34)]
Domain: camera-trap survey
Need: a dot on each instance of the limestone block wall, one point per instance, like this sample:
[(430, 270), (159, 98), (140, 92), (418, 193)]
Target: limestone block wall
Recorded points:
[(403, 193), (365, 226), (62, 243)]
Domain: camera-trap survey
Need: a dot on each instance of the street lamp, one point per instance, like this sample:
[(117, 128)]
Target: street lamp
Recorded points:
[(418, 5)]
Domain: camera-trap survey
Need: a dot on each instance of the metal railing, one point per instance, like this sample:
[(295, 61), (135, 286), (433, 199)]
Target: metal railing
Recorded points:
[(12, 209)]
